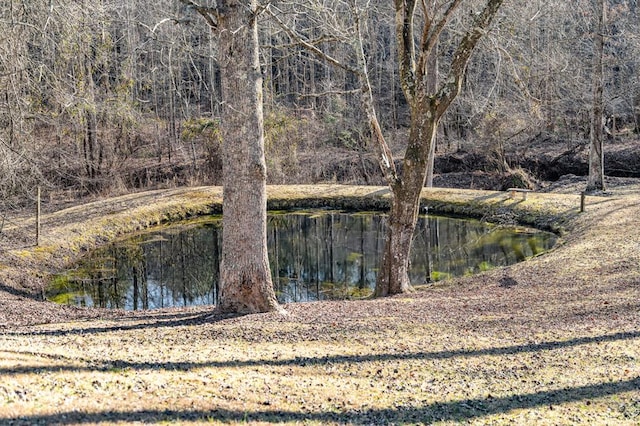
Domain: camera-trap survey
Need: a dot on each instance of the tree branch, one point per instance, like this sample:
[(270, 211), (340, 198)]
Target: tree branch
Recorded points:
[(431, 34), (208, 13), (453, 81), (328, 92), (380, 146), (309, 44), (404, 10)]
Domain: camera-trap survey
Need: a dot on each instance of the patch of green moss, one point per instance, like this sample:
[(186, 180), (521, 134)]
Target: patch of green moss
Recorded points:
[(485, 266), (440, 276), (354, 257), (65, 298)]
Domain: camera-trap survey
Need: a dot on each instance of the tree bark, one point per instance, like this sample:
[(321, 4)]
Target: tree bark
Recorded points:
[(596, 153), (245, 278), (393, 277)]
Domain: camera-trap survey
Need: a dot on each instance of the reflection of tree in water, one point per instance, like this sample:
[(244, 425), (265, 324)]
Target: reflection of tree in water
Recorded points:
[(104, 280), (314, 256), (191, 267), (323, 255), (161, 270)]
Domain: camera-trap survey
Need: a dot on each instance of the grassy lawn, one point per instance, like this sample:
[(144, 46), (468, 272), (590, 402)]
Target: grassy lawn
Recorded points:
[(560, 346), (374, 369)]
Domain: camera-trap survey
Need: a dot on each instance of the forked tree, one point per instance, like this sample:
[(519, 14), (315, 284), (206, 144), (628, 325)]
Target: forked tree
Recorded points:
[(427, 104), (419, 26), (245, 278)]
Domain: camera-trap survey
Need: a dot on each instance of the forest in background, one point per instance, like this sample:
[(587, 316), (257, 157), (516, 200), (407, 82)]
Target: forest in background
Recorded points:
[(113, 96)]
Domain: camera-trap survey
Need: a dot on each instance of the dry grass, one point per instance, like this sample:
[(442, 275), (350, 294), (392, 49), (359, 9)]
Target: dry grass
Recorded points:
[(560, 346)]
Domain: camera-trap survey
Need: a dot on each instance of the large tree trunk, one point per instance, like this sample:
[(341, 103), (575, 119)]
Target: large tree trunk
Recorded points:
[(245, 279), (596, 154), (394, 273)]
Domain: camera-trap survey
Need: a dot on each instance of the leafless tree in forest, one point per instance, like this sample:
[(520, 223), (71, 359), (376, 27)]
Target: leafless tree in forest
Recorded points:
[(20, 170), (546, 53), (427, 107)]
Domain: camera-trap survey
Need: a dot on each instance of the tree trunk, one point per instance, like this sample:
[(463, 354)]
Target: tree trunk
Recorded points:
[(89, 146), (245, 281), (394, 273), (596, 153)]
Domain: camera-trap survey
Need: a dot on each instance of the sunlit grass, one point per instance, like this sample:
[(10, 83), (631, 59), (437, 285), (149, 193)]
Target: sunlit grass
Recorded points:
[(276, 371)]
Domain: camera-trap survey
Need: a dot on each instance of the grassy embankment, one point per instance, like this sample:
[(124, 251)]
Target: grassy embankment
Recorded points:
[(558, 345)]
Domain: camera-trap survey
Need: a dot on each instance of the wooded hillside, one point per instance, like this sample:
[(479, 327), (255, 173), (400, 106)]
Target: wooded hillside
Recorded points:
[(105, 97)]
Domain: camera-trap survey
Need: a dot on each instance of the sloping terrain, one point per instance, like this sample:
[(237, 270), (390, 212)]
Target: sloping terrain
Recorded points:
[(554, 340)]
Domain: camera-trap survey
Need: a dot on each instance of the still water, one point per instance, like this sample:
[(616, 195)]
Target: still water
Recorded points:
[(314, 256)]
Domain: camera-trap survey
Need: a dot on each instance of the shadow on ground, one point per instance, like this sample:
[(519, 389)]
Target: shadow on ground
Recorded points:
[(105, 365), (457, 411)]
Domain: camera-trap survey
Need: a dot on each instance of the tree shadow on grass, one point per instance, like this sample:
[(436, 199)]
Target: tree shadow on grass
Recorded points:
[(456, 411), (20, 293), (148, 321), (110, 364)]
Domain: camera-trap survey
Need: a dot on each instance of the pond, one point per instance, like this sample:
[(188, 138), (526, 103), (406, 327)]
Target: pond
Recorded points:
[(314, 255)]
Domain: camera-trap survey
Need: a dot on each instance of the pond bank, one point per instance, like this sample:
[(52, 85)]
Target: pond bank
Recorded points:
[(68, 233)]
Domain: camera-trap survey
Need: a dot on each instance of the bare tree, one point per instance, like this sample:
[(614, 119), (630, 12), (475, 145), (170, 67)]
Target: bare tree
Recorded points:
[(428, 101), (427, 107), (245, 279), (20, 170), (596, 152)]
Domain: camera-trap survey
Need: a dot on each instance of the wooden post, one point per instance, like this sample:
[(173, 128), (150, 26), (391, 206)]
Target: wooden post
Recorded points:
[(583, 199), (38, 218)]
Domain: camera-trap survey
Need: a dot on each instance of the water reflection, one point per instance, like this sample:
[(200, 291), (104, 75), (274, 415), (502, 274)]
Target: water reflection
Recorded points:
[(314, 256)]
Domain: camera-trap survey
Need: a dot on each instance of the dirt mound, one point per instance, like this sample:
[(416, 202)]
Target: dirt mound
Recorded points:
[(549, 158), (534, 165)]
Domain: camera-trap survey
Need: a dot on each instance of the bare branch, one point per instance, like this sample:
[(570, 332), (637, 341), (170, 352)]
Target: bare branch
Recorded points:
[(328, 92), (404, 11), (431, 34), (309, 45), (380, 146), (453, 81), (208, 13), (319, 40)]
